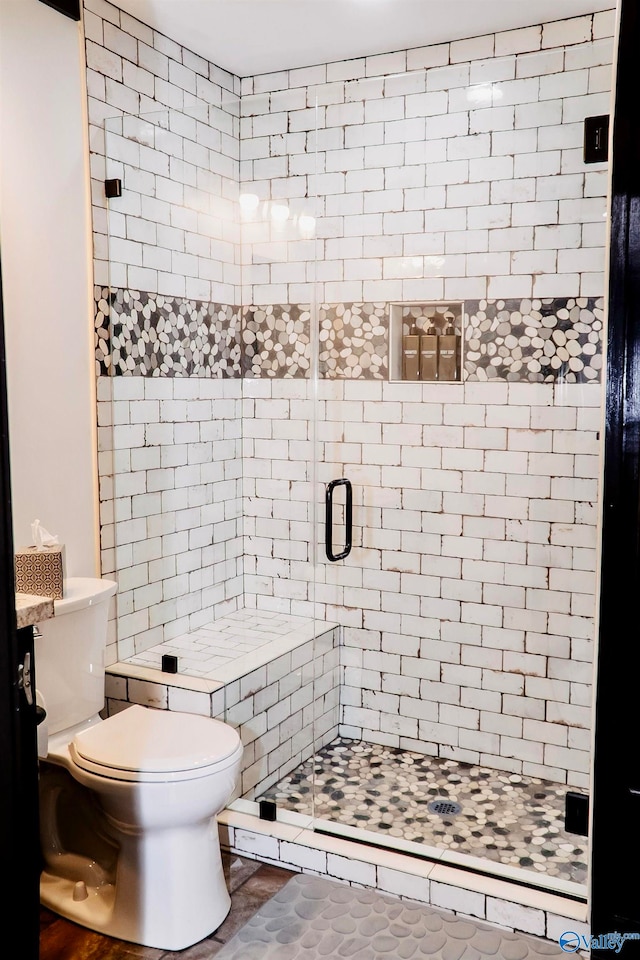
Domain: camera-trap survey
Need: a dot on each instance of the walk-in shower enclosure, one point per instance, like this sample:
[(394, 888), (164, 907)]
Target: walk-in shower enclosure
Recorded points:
[(276, 241)]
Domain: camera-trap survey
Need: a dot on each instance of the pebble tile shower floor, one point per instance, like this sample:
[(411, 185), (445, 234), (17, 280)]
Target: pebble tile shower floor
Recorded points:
[(504, 817)]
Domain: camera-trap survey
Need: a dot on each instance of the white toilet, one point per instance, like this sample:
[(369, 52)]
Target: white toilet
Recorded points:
[(128, 805)]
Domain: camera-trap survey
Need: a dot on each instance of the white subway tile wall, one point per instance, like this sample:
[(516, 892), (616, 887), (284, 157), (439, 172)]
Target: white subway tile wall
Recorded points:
[(444, 172), (165, 122), (467, 602), (170, 452)]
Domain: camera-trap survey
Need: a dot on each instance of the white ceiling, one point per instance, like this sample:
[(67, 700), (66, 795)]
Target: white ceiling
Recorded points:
[(248, 37)]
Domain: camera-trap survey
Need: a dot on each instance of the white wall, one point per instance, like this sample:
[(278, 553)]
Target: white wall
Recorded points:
[(46, 246)]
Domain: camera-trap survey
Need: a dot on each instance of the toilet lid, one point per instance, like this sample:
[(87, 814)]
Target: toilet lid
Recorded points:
[(145, 740)]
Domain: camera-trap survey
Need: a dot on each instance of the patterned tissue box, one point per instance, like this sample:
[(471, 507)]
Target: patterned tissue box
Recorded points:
[(40, 571)]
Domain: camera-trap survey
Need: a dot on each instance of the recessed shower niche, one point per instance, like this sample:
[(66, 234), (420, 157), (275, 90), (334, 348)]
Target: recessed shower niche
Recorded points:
[(425, 341)]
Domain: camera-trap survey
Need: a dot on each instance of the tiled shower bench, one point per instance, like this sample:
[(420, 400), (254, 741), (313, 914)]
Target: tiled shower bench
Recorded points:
[(274, 677)]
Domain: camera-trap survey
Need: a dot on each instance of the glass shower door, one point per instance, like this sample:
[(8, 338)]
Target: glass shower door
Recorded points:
[(466, 601), (274, 700), (204, 389)]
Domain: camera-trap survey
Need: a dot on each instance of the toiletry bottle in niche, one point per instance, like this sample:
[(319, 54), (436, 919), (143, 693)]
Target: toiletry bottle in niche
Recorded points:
[(411, 355), (428, 352), (448, 350)]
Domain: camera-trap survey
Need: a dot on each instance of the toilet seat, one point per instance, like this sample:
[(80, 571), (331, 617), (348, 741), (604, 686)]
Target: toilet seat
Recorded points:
[(142, 744)]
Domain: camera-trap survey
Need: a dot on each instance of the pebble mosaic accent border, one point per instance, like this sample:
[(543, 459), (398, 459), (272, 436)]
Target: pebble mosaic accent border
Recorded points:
[(354, 341), (536, 340), (276, 340), (550, 340), (505, 817), (153, 335)]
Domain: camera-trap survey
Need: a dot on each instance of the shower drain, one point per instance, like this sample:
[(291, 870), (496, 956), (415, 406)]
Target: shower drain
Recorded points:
[(444, 808)]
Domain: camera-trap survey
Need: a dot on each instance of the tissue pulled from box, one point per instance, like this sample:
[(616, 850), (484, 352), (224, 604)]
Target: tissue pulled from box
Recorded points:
[(39, 568), (40, 537)]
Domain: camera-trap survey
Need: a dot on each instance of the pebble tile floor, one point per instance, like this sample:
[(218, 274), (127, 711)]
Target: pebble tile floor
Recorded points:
[(250, 883), (505, 817)]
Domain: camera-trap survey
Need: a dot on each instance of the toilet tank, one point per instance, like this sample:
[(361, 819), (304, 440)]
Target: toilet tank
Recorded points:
[(70, 653)]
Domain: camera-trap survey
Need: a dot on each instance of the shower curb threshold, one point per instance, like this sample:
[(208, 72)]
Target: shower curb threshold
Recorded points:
[(292, 843)]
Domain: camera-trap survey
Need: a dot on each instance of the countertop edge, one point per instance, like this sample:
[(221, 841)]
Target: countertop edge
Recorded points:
[(31, 609)]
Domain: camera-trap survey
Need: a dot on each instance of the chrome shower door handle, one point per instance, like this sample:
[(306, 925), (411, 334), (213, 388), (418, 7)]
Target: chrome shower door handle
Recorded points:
[(348, 519)]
